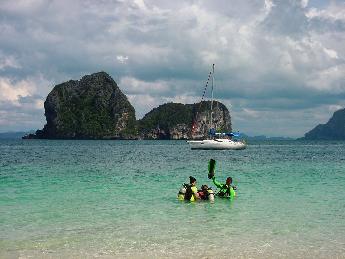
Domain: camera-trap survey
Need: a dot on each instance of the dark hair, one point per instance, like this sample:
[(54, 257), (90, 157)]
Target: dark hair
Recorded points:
[(192, 179), (204, 187), (229, 179)]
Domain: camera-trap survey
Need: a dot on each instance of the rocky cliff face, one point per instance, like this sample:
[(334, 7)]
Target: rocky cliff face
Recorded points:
[(221, 119), (334, 129), (175, 121), (91, 108)]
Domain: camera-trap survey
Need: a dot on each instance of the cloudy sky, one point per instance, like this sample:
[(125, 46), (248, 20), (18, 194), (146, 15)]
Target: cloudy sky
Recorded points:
[(280, 64)]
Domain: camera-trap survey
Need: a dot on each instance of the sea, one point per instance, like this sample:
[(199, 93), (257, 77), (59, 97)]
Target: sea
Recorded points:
[(117, 199)]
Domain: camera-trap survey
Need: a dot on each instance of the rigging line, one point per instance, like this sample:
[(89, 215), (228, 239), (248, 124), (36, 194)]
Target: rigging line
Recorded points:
[(202, 98)]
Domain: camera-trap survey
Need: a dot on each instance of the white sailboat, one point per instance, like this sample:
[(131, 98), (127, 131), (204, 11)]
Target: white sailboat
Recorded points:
[(217, 141)]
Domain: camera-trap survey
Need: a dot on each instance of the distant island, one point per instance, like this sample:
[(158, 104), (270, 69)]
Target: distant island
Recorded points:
[(94, 107), (15, 134), (334, 129), (263, 137)]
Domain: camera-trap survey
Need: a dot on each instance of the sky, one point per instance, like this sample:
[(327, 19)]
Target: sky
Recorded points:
[(279, 64)]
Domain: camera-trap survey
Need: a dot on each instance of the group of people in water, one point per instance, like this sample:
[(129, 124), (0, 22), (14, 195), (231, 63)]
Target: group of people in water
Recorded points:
[(190, 192)]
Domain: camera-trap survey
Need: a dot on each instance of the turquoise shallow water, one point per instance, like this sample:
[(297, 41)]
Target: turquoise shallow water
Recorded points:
[(118, 199)]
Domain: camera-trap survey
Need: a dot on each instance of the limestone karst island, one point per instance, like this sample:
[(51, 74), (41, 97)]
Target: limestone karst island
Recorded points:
[(94, 107)]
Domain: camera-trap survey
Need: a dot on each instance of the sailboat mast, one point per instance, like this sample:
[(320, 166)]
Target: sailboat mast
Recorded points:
[(212, 96)]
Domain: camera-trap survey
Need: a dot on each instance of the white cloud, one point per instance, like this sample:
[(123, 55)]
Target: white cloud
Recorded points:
[(143, 103), (141, 4), (135, 86), (331, 53), (8, 62), (23, 93), (334, 11), (20, 106), (39, 104), (330, 79), (122, 59), (304, 3), (12, 91), (268, 6)]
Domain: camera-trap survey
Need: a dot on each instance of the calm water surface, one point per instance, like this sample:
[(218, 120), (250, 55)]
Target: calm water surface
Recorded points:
[(118, 199)]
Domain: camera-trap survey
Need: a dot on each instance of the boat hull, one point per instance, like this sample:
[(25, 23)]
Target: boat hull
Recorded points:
[(216, 144)]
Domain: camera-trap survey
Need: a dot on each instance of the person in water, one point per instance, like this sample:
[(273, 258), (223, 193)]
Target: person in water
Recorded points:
[(206, 193), (225, 190), (191, 190)]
